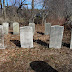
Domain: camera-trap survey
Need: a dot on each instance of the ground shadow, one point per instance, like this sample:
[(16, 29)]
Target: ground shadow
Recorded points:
[(11, 32), (41, 66), (40, 33), (65, 44), (41, 43), (16, 42)]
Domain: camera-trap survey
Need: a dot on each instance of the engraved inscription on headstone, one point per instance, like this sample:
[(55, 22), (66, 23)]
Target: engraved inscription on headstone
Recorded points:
[(6, 27), (47, 28), (56, 36), (26, 37), (1, 37), (15, 28)]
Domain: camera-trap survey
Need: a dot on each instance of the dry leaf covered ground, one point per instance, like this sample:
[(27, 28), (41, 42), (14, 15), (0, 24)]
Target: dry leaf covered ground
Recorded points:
[(41, 58)]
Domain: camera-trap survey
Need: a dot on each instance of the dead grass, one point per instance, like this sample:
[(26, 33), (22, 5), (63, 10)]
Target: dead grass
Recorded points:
[(16, 59)]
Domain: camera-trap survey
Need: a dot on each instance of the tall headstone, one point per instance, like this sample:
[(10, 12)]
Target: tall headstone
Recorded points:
[(47, 28), (1, 37), (56, 36), (15, 28), (71, 40), (33, 26), (6, 27), (26, 37)]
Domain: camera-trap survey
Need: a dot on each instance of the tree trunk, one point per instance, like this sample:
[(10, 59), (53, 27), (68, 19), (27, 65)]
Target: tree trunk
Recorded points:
[(4, 10), (32, 14)]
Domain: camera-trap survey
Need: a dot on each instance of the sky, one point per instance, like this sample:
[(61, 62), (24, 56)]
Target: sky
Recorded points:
[(37, 3)]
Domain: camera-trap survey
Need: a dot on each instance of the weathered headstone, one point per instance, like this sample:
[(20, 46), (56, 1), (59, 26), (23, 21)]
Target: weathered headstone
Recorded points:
[(33, 26), (47, 28), (56, 36), (1, 37), (6, 27), (26, 37), (71, 40), (15, 28)]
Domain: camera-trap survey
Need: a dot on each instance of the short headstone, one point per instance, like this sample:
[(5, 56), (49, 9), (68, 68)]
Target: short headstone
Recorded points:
[(47, 28), (1, 37), (15, 28), (6, 27), (33, 26), (71, 40), (26, 37), (56, 36)]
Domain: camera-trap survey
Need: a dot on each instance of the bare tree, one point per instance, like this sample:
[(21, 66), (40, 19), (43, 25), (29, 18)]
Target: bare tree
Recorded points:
[(4, 10)]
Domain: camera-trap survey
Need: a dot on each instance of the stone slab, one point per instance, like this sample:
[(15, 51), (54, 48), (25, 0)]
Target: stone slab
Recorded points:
[(6, 27), (26, 37), (1, 37), (33, 26), (47, 28), (56, 36), (15, 28), (71, 40)]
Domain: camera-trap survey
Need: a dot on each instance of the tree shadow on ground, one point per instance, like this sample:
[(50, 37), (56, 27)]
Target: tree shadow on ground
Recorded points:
[(65, 44), (40, 33), (11, 32), (41, 43), (41, 66), (16, 42)]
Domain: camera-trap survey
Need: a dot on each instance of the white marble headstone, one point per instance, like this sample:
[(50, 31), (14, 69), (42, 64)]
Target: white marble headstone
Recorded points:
[(33, 26), (47, 28), (26, 37), (56, 36), (6, 27), (15, 28), (1, 37), (71, 40)]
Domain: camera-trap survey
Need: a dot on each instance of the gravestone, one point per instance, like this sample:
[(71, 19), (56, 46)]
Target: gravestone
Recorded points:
[(33, 26), (71, 40), (56, 36), (15, 28), (47, 28), (26, 37), (1, 37), (6, 27)]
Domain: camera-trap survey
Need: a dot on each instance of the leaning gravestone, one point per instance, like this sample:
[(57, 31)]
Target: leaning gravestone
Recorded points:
[(26, 37), (15, 28), (33, 26), (56, 36), (71, 40), (47, 28), (1, 37), (6, 27)]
